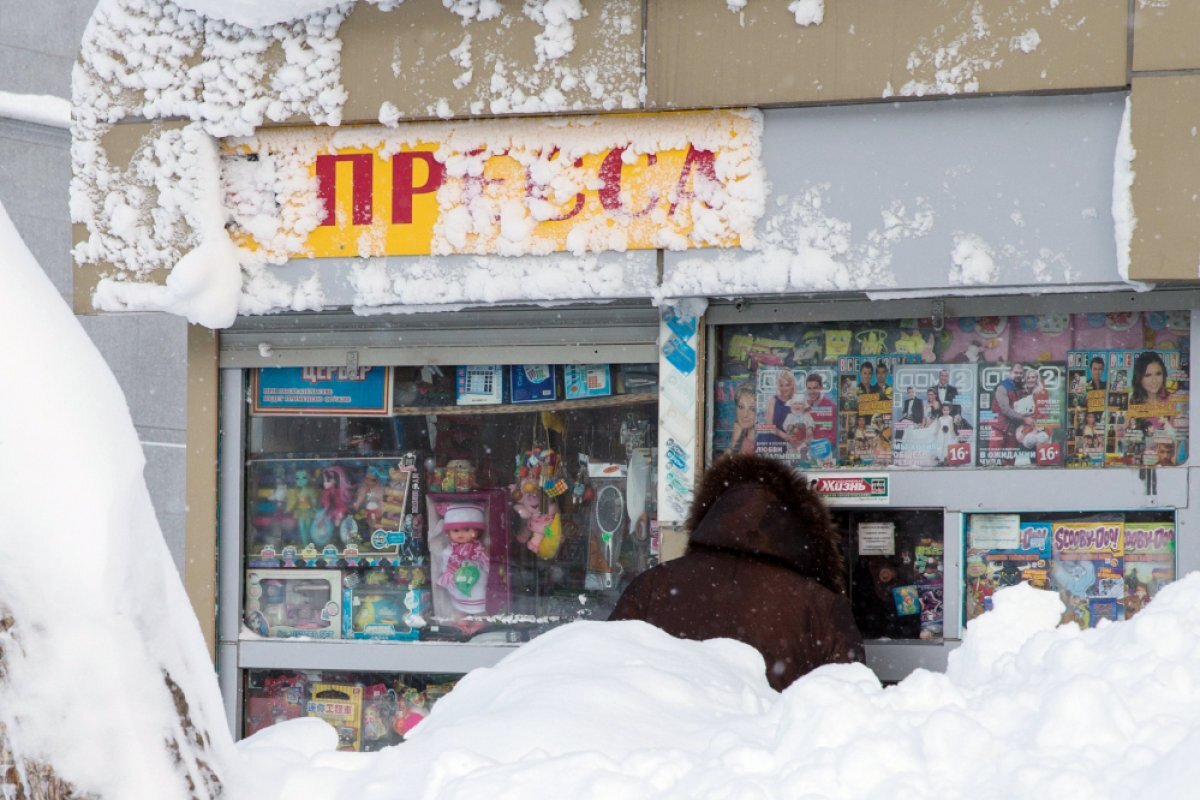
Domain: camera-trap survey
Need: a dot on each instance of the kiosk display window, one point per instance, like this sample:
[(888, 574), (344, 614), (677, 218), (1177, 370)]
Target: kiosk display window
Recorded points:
[(1103, 565), (1055, 390), (896, 562), (369, 710), (480, 503)]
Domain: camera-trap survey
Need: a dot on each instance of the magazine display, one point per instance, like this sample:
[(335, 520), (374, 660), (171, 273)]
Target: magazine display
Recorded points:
[(1147, 406), (797, 416), (1021, 413), (934, 416), (1088, 569), (1149, 562), (989, 570)]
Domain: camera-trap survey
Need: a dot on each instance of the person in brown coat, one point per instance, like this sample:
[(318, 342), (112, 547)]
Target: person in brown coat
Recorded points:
[(762, 566)]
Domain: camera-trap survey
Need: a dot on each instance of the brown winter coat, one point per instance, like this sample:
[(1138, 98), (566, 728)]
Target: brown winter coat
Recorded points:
[(762, 566)]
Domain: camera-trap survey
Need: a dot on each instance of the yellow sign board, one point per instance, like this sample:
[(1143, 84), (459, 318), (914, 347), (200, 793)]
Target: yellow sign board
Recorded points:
[(513, 188)]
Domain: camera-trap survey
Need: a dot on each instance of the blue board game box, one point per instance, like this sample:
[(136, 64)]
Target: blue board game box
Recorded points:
[(532, 383)]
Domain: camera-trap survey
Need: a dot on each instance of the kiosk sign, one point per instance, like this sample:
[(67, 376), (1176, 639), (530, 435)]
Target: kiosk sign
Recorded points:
[(330, 391), (852, 490)]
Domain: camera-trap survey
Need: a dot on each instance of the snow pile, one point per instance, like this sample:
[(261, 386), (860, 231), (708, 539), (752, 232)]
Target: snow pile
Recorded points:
[(103, 636), (973, 261), (622, 710), (807, 12), (1124, 218), (41, 109)]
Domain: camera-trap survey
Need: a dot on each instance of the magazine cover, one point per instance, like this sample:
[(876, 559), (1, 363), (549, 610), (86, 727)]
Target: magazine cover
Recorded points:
[(865, 389), (990, 569), (930, 597), (1087, 401), (1147, 406), (797, 415), (1021, 413), (1149, 562), (1088, 569), (933, 410)]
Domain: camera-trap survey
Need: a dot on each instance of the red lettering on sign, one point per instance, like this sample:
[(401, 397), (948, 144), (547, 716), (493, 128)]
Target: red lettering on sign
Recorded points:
[(362, 179), (539, 191), (610, 188), (403, 188), (705, 164)]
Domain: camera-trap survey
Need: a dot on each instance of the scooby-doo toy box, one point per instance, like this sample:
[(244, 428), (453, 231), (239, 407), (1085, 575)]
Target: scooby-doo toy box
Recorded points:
[(328, 512)]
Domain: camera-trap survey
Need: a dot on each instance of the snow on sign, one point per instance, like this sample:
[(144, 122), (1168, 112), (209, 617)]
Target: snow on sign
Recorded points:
[(531, 186), (840, 489)]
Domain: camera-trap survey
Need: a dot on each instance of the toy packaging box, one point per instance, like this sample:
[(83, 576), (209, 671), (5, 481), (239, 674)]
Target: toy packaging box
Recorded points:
[(532, 383), (479, 385), (336, 511), (586, 380), (385, 604), (276, 700), (469, 570), (341, 705), (285, 603)]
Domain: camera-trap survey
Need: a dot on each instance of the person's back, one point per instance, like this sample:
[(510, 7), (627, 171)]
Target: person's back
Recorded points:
[(762, 567)]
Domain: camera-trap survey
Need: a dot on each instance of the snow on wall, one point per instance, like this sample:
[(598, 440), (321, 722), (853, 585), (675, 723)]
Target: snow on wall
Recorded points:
[(101, 619)]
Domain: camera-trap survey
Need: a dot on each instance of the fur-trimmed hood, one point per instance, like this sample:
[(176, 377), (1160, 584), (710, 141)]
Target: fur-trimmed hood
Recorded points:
[(760, 507)]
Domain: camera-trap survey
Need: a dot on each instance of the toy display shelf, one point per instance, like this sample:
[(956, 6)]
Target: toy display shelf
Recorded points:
[(522, 408)]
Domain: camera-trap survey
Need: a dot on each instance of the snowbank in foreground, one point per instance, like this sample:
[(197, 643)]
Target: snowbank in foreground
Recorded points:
[(620, 710), (102, 625)]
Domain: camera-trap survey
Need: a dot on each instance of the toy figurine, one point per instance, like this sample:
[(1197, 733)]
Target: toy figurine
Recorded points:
[(370, 497), (412, 708), (465, 565), (302, 504)]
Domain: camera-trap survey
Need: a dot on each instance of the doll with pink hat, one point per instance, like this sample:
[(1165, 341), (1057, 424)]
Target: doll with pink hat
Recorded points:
[(464, 568)]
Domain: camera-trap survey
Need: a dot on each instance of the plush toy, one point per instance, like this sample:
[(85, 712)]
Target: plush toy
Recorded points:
[(545, 533), (526, 506)]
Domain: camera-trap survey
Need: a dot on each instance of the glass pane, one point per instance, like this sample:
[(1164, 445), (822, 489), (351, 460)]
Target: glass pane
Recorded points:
[(1104, 566), (896, 562), (494, 503), (1082, 390), (370, 710)]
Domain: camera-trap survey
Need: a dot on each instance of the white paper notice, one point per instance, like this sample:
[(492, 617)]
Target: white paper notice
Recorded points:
[(877, 539), (995, 531)]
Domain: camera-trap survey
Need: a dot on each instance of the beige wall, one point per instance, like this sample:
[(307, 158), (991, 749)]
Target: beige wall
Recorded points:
[(1166, 35), (699, 54), (200, 547), (1166, 186)]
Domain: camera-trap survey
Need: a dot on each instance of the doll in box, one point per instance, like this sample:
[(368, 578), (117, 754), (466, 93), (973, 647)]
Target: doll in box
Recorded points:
[(333, 517), (302, 502), (371, 496), (464, 561)]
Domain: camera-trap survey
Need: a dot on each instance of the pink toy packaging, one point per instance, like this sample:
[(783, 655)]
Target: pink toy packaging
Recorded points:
[(1042, 338), (1117, 330), (468, 543), (974, 340)]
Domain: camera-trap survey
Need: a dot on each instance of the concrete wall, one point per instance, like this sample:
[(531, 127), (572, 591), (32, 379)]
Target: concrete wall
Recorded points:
[(38, 44)]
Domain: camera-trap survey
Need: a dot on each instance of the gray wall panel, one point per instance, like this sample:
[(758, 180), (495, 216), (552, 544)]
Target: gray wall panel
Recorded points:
[(1030, 176)]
